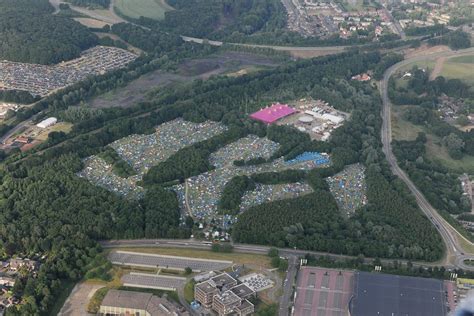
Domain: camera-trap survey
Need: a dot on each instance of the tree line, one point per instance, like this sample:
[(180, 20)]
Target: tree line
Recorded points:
[(30, 33)]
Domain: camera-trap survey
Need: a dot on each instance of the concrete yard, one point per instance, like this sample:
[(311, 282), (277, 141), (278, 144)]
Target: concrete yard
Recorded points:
[(153, 281), (77, 301), (166, 262)]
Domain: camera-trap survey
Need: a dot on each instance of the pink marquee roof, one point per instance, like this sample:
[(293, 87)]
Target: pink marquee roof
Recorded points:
[(273, 113)]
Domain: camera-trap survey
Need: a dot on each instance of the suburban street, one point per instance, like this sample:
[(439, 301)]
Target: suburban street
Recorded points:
[(455, 254)]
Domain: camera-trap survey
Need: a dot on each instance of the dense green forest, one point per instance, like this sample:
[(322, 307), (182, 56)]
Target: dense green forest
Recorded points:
[(17, 96), (30, 33), (439, 184), (46, 208), (455, 40)]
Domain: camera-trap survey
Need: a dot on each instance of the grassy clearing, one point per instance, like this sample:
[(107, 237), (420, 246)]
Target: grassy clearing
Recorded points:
[(59, 127), (66, 289), (404, 130), (189, 291), (237, 258), (424, 64), (96, 300), (457, 70), (438, 152), (153, 9), (468, 59), (468, 248)]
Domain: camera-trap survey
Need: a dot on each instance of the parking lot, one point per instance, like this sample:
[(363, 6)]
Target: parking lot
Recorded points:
[(167, 262), (153, 281)]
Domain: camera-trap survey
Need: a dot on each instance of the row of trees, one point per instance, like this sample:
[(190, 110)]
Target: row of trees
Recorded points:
[(455, 40), (91, 3), (17, 96)]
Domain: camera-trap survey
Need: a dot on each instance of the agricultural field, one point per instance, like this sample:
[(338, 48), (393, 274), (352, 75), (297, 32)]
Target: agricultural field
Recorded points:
[(153, 9), (461, 67)]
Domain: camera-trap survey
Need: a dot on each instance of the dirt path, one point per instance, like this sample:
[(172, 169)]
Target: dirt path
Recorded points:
[(438, 68), (78, 300)]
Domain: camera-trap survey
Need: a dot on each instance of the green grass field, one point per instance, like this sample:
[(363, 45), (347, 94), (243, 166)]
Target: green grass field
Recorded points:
[(153, 9), (424, 64), (469, 59), (461, 67), (66, 289), (404, 130)]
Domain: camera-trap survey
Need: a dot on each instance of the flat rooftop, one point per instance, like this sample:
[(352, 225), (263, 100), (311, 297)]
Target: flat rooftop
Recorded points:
[(223, 280), (227, 298), (206, 287), (137, 259), (383, 294), (242, 290)]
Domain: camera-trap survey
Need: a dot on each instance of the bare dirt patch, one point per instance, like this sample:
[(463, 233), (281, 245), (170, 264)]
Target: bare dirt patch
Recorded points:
[(92, 23), (188, 71), (425, 50), (438, 68), (312, 53)]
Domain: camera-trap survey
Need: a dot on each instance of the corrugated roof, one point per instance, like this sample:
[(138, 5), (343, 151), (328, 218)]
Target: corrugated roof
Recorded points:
[(384, 294), (127, 299)]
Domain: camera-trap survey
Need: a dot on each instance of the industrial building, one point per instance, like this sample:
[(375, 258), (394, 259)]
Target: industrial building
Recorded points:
[(50, 121), (378, 294), (117, 303), (222, 294)]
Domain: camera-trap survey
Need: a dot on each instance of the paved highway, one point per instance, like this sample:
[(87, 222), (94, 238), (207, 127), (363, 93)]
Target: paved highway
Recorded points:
[(455, 254)]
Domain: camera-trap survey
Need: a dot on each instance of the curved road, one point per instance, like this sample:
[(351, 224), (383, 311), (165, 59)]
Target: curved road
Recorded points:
[(455, 254)]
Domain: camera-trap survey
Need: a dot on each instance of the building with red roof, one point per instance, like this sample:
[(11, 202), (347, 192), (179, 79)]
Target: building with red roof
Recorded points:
[(273, 113)]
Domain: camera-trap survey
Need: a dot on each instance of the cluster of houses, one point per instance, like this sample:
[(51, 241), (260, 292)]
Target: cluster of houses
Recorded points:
[(371, 20), (8, 272), (319, 18)]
